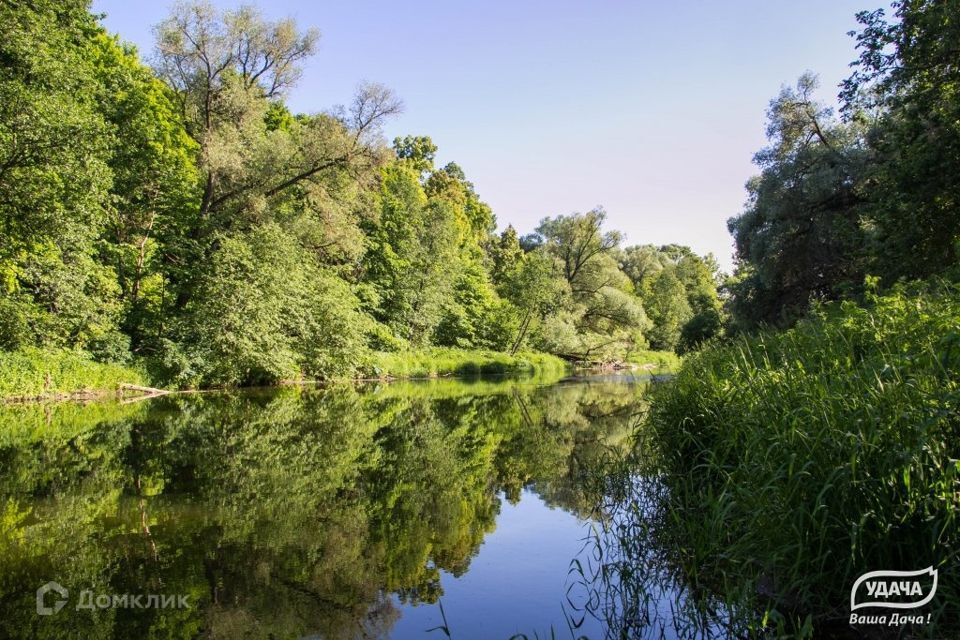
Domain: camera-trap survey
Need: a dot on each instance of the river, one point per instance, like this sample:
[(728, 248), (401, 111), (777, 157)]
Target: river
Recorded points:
[(444, 508)]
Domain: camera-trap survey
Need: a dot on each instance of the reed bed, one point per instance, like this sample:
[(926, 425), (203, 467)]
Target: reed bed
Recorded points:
[(794, 462)]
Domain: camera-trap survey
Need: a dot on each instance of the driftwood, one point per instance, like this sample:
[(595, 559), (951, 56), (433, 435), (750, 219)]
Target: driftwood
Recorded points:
[(135, 387), (145, 392)]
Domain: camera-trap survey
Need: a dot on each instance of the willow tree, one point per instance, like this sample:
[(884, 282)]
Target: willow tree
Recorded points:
[(801, 237), (274, 188), (603, 319)]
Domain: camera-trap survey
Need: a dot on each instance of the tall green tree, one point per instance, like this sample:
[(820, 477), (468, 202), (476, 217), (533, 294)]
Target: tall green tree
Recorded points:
[(411, 246), (800, 237), (290, 191), (153, 163), (907, 75), (604, 318), (668, 309), (676, 326), (228, 69), (266, 311), (54, 178)]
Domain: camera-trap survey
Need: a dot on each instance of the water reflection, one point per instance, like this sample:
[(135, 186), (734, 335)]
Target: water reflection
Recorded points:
[(631, 583), (300, 512)]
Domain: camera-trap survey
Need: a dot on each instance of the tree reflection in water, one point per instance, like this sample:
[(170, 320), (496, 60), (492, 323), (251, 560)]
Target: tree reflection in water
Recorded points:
[(282, 513)]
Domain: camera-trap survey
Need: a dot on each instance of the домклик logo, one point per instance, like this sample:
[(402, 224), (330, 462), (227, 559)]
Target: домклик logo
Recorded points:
[(42, 608)]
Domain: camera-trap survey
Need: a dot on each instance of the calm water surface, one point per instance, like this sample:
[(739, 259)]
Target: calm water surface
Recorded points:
[(406, 510)]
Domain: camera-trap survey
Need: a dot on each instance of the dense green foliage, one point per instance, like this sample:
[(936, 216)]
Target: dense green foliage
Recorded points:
[(876, 192), (34, 373), (183, 216), (828, 450), (679, 291)]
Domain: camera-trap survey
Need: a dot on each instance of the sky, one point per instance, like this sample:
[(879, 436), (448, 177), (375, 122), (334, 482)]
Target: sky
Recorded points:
[(652, 110)]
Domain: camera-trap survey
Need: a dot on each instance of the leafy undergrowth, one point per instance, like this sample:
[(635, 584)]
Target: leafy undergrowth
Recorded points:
[(32, 373)]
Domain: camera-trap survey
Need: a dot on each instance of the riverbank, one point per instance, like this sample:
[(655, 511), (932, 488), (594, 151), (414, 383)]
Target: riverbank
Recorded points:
[(34, 374), (444, 361), (795, 462)]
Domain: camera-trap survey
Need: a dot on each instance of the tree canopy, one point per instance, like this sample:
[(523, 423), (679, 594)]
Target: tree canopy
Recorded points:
[(873, 193), (181, 215)]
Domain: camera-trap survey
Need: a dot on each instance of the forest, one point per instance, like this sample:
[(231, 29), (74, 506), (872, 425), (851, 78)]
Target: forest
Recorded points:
[(169, 219)]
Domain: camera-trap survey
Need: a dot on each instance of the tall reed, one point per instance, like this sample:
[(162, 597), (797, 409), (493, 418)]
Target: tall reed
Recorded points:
[(794, 462)]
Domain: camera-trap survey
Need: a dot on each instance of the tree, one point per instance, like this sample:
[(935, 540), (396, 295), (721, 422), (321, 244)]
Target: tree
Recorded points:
[(800, 236), (641, 263), (266, 312), (418, 151), (580, 243), (54, 178), (905, 84), (668, 309), (413, 243), (227, 70), (605, 319), (506, 255), (288, 191), (153, 163), (536, 289), (698, 276)]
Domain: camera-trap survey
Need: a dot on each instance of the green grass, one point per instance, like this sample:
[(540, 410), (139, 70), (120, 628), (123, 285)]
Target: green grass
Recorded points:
[(662, 361), (794, 462), (37, 373), (441, 361)]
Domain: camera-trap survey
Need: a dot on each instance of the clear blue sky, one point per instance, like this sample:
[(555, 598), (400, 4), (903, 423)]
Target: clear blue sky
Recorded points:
[(651, 109)]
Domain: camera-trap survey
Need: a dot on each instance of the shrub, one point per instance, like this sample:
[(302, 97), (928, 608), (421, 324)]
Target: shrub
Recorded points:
[(33, 372)]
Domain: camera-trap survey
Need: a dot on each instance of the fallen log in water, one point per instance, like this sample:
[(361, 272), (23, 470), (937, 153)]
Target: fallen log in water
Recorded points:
[(136, 387)]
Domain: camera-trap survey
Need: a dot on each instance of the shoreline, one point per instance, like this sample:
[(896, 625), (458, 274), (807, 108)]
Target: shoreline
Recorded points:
[(471, 364)]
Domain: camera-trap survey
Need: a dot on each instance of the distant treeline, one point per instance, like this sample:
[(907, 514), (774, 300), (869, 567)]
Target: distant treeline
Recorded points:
[(180, 215)]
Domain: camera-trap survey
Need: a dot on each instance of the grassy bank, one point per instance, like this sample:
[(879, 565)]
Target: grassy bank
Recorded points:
[(655, 361), (795, 462), (439, 361), (53, 374), (49, 373)]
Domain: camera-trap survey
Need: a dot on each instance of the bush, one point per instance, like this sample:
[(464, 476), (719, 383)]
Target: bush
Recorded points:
[(806, 458), (32, 372)]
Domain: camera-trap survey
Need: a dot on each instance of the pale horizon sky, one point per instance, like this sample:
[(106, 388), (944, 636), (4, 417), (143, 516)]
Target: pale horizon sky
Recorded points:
[(652, 110)]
